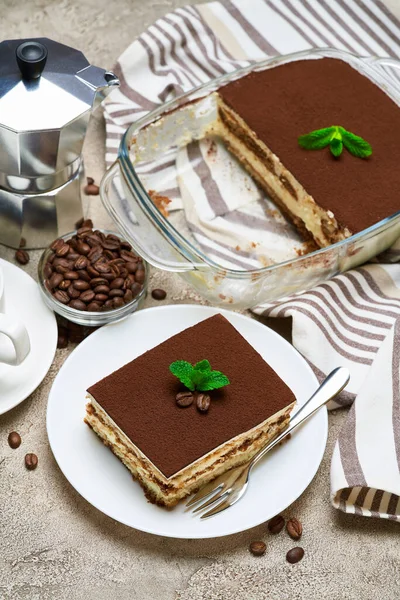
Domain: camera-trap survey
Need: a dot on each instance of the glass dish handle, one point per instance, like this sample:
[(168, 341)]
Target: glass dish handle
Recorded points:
[(389, 66), (139, 228)]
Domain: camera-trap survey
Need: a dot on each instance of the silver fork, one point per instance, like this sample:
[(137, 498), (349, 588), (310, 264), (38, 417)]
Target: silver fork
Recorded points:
[(228, 488)]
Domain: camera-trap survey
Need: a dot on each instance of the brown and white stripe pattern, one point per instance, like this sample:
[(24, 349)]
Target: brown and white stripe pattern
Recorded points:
[(351, 320)]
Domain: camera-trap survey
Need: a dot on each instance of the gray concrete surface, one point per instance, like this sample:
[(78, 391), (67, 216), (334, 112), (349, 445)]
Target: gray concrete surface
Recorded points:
[(54, 545)]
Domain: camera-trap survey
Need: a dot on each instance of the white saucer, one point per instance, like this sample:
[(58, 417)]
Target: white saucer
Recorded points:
[(22, 300), (104, 481)]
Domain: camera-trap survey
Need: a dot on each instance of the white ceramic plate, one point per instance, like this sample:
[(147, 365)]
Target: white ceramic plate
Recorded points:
[(22, 300), (103, 480)]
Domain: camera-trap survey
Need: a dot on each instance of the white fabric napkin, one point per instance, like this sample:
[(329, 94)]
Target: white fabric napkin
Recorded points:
[(352, 320)]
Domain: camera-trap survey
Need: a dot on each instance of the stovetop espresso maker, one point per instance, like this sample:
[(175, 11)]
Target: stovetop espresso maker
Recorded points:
[(47, 93)]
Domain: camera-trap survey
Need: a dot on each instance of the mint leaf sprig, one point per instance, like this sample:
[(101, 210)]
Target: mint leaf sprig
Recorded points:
[(337, 138), (199, 377)]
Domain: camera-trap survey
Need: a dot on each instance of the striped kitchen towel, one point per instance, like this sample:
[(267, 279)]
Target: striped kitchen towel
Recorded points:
[(354, 319)]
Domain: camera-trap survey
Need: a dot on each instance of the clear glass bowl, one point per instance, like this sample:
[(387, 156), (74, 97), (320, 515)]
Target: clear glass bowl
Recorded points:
[(89, 319), (168, 244)]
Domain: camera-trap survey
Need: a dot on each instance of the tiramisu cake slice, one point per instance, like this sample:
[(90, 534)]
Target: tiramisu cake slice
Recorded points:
[(173, 440), (262, 117)]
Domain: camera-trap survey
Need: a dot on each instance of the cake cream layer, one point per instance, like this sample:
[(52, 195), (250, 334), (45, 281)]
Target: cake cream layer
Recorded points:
[(265, 167), (167, 491), (270, 109)]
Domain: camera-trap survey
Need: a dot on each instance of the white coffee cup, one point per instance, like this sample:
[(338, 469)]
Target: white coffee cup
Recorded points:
[(14, 338)]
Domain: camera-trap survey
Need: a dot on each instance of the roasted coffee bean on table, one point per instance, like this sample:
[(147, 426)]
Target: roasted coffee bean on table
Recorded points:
[(257, 548), (294, 528), (14, 440), (276, 524), (295, 555), (91, 189), (93, 271), (22, 257), (31, 461), (159, 294)]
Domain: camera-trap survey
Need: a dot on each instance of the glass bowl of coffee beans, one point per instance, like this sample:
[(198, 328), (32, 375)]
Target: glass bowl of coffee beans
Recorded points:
[(92, 277)]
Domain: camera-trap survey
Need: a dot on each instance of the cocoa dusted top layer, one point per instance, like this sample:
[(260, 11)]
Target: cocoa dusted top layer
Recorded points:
[(293, 99), (140, 397)]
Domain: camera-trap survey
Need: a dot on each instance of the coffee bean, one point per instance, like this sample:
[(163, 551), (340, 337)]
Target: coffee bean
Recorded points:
[(71, 275), (84, 275), (111, 244), (22, 257), (61, 262), (118, 302), (132, 267), (83, 231), (136, 288), (257, 548), (128, 282), (94, 307), (108, 305), (184, 399), (77, 304), (72, 292), (116, 293), (62, 339), (88, 223), (203, 402), (95, 254), (98, 281), (117, 283), (81, 285), (81, 263), (63, 250), (123, 272), (93, 240), (115, 270), (61, 269), (87, 296), (72, 256), (102, 289), (56, 244), (159, 294), (127, 255), (55, 280), (14, 440), (61, 296), (83, 248), (276, 524), (128, 296), (295, 555), (126, 245), (294, 528), (91, 189), (140, 276), (64, 285), (31, 461), (47, 271), (92, 272), (101, 297), (108, 276), (102, 268)]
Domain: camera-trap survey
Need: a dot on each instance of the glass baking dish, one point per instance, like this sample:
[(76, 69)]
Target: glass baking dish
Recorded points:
[(150, 158)]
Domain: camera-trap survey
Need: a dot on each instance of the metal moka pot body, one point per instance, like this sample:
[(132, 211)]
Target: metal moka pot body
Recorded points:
[(47, 94)]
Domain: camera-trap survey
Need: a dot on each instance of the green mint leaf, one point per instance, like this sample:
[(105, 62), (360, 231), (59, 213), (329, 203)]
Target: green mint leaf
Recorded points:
[(213, 381), (336, 147), (317, 139), (203, 365), (199, 377), (184, 371), (336, 137), (356, 145)]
